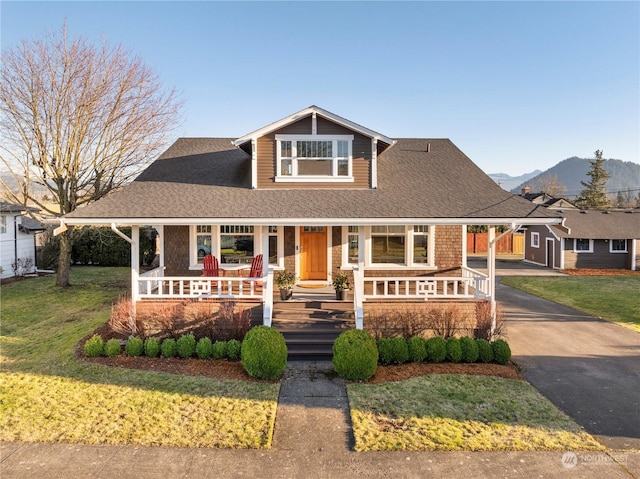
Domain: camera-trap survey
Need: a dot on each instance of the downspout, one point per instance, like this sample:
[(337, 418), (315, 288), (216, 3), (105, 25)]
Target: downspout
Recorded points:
[(15, 245), (115, 229), (492, 273)]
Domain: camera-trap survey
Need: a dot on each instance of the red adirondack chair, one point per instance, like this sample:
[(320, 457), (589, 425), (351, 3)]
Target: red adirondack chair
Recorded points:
[(256, 270), (210, 267)]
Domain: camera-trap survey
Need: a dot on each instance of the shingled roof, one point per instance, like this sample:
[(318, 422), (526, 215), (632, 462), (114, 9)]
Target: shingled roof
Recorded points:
[(210, 178), (592, 224)]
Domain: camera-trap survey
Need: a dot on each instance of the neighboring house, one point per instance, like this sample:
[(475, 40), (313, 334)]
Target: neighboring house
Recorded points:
[(313, 193), (587, 239), (17, 240)]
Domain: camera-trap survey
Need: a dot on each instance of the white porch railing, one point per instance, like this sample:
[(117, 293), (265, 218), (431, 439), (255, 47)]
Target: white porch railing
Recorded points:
[(164, 287), (481, 281), (425, 287), (358, 296)]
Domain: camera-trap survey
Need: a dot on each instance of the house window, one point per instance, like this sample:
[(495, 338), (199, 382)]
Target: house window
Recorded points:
[(387, 244), (314, 158), (535, 240), (618, 246), (353, 247), (3, 224), (203, 241), (420, 244), (274, 241), (236, 244), (583, 245)]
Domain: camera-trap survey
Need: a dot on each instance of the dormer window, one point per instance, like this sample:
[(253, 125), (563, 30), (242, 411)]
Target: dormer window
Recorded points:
[(314, 158)]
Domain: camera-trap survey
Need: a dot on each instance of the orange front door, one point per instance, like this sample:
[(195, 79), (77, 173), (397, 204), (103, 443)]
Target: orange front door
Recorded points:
[(313, 252)]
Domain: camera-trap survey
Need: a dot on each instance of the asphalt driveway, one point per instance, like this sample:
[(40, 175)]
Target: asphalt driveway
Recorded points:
[(587, 367)]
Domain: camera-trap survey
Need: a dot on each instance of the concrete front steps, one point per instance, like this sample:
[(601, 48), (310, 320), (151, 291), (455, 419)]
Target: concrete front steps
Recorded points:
[(310, 327)]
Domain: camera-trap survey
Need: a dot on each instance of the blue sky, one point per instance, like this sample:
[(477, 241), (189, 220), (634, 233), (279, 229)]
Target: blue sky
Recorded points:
[(516, 85)]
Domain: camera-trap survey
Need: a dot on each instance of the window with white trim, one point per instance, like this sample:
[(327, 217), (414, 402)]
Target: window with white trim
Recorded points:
[(3, 224), (314, 158), (535, 240), (583, 245), (387, 244), (203, 241), (618, 246), (276, 247), (236, 244), (420, 244), (353, 246)]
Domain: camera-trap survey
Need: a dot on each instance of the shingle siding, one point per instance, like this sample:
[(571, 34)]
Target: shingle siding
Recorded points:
[(176, 251)]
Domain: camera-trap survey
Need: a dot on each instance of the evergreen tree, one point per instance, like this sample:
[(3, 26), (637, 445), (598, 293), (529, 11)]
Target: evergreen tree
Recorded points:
[(593, 195)]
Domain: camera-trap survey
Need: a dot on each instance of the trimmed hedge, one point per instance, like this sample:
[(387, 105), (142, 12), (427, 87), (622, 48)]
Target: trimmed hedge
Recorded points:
[(469, 349), (355, 355), (485, 351), (233, 350), (186, 346), (501, 351), (454, 351), (385, 351), (151, 347), (204, 348), (264, 353), (219, 349), (134, 347), (94, 346), (417, 346), (112, 347), (436, 349), (168, 348)]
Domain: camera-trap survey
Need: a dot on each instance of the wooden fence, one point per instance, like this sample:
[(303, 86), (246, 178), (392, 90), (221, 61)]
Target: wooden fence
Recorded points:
[(477, 243)]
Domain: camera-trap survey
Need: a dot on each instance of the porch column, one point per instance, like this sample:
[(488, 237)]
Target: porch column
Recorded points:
[(633, 254), (135, 263), (491, 270)]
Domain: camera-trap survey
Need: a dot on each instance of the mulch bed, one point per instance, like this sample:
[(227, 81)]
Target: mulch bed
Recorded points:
[(600, 272)]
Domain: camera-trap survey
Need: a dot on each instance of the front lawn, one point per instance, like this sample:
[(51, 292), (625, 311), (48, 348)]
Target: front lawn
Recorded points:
[(457, 412), (613, 298), (46, 394)]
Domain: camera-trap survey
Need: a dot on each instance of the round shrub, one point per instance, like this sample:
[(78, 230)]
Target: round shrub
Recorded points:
[(436, 349), (355, 355), (204, 348), (454, 351), (469, 350), (219, 349), (417, 346), (168, 348), (151, 347), (186, 345), (485, 351), (501, 351), (385, 351), (94, 346), (134, 347), (112, 347), (400, 351), (264, 353), (233, 349)]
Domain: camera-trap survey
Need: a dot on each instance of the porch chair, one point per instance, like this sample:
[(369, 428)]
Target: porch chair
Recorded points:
[(210, 267), (256, 270)]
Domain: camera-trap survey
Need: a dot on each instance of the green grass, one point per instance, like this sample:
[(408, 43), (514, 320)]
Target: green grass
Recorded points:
[(46, 394), (613, 298), (457, 412)]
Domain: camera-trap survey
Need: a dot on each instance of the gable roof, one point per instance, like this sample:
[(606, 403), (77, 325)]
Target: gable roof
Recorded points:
[(276, 125), (207, 179), (592, 224)]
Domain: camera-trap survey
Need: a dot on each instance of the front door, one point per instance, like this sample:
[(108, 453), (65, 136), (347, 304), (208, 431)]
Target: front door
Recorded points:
[(313, 253)]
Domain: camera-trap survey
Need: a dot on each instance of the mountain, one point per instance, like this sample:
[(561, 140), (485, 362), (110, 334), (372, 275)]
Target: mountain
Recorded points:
[(508, 182), (570, 172)]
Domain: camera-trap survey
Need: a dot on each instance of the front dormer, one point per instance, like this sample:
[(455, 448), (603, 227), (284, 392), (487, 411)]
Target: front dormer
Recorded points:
[(314, 148)]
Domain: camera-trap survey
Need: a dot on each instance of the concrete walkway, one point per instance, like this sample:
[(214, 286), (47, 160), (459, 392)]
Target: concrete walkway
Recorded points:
[(587, 367)]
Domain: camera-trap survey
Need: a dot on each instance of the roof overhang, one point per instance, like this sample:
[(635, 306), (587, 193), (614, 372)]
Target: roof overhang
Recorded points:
[(306, 221), (310, 111)]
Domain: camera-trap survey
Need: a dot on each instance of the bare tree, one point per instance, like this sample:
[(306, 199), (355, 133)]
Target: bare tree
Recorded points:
[(549, 184), (78, 121)]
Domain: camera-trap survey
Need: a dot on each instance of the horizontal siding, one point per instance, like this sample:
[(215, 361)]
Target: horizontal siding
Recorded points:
[(600, 258), (267, 155), (536, 255)]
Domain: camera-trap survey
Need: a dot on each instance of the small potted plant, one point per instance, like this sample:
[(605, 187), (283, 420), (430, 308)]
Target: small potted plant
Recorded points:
[(285, 280), (341, 284)]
